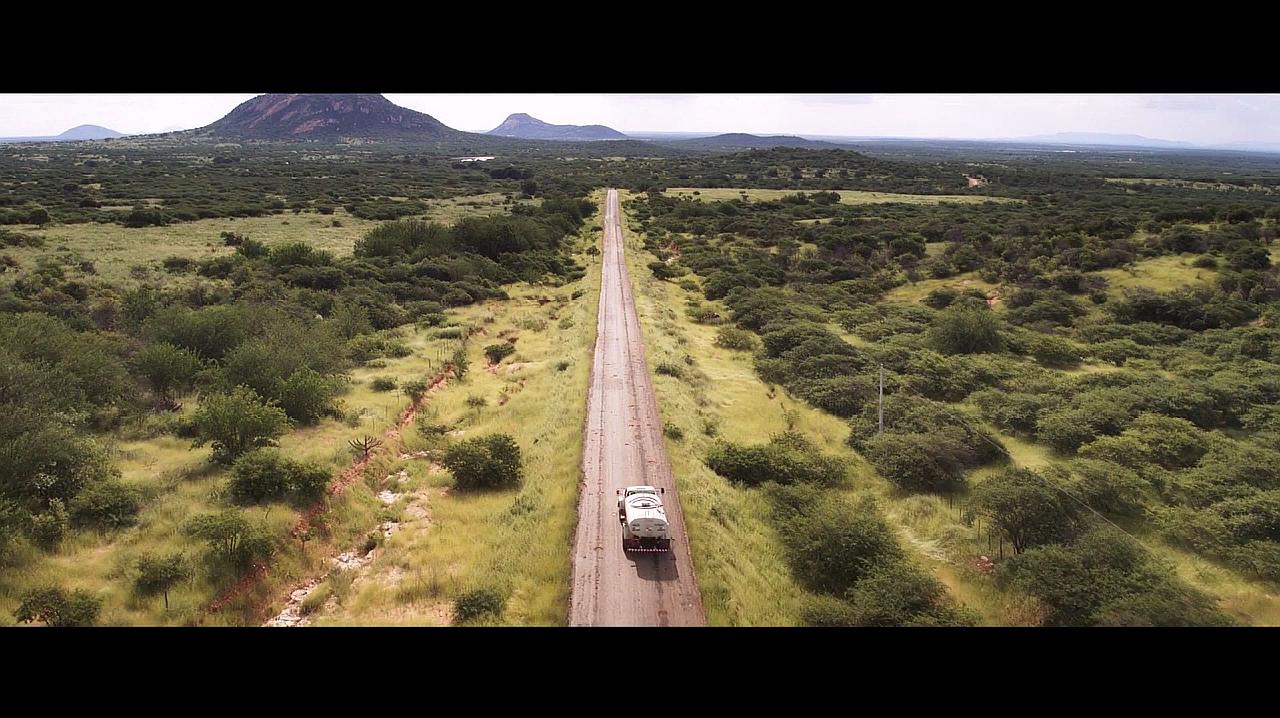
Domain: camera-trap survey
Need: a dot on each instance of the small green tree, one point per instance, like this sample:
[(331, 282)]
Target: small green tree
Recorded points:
[(159, 574), (232, 539), (485, 462), (54, 606), (1026, 508), (459, 363), (237, 422), (967, 328), (267, 475), (49, 529), (166, 368), (307, 395)]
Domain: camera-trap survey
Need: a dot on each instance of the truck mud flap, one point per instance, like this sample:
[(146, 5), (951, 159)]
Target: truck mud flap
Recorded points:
[(637, 548)]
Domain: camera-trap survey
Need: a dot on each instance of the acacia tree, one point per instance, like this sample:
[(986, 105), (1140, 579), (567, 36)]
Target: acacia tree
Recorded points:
[(237, 422), (1023, 505), (159, 574)]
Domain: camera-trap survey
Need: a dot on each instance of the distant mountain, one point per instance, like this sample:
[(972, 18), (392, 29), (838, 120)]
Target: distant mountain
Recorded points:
[(1099, 139), (1270, 147), (741, 141), (75, 134), (326, 116), (89, 132), (667, 136), (524, 127)]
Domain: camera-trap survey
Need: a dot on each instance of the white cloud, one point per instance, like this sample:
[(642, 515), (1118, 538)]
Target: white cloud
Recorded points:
[(1204, 119)]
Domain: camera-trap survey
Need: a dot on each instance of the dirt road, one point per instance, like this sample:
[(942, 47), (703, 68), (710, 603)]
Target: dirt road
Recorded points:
[(624, 446)]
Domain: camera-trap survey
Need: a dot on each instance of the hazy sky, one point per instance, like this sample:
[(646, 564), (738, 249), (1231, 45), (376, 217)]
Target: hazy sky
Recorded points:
[(1205, 119)]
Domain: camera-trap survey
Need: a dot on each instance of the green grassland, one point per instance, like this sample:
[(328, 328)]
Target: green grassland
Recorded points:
[(1161, 274), (518, 540), (714, 194), (178, 482), (1189, 184), (916, 291), (115, 250)]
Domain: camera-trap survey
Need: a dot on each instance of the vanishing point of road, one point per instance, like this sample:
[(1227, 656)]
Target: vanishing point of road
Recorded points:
[(623, 446)]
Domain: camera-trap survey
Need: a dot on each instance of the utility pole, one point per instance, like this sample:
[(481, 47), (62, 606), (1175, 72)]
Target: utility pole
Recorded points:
[(881, 399)]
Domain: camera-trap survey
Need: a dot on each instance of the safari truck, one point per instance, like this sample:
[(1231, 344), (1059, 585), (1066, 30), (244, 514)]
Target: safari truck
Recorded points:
[(644, 520)]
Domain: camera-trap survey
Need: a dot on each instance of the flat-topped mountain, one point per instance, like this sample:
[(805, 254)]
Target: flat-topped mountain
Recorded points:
[(742, 141), (526, 127)]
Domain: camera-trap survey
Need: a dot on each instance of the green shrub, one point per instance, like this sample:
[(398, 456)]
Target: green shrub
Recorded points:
[(267, 475), (233, 541), (835, 543), (497, 352), (307, 396), (48, 530), (485, 462), (238, 422), (108, 503), (1118, 351), (167, 368), (967, 328), (1110, 487), (479, 602), (919, 462), (896, 593), (1054, 352), (1027, 508), (55, 606), (673, 432), (416, 389), (1106, 578), (730, 337), (668, 369), (776, 462), (459, 363), (383, 383)]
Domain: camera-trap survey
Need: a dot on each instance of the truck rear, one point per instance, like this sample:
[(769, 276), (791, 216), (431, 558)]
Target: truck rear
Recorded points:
[(644, 519)]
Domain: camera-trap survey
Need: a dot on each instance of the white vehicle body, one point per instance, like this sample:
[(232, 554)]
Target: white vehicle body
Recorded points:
[(643, 518)]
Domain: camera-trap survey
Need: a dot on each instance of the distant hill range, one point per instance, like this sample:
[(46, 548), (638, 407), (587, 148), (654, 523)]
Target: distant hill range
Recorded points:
[(525, 127), (736, 141), (75, 134), (325, 116), (1099, 139)]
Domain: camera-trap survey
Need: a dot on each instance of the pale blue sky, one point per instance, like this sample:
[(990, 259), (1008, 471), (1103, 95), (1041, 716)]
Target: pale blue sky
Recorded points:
[(1202, 119)]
